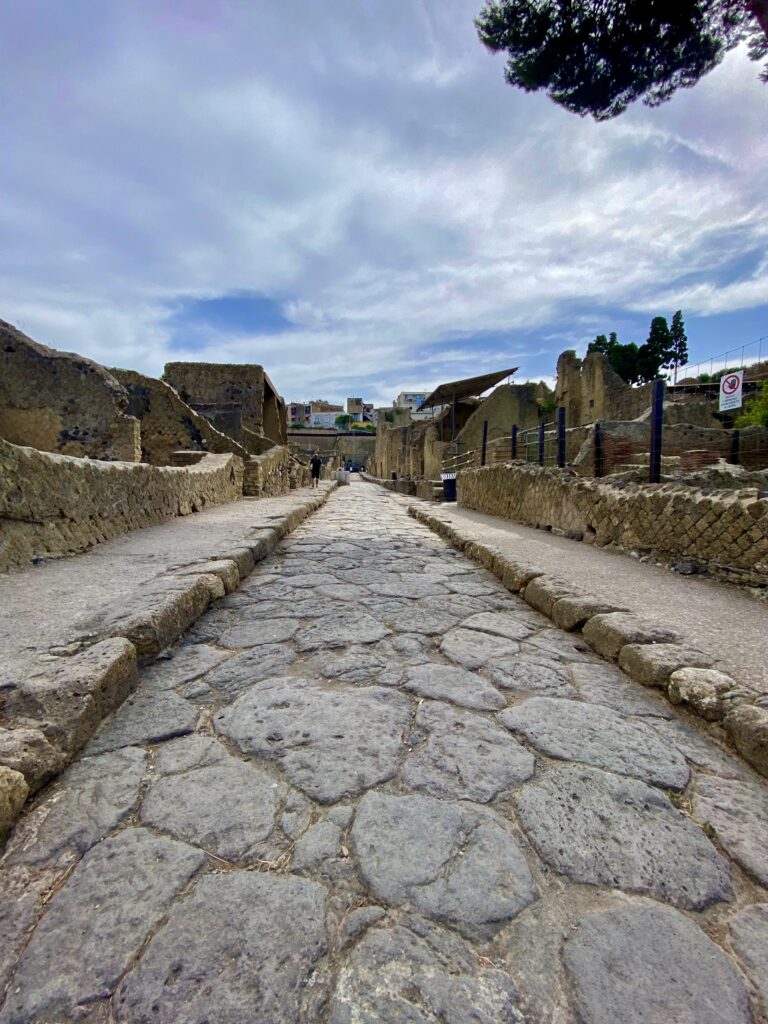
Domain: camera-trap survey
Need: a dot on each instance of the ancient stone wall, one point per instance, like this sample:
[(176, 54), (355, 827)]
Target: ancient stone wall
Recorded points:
[(236, 398), (412, 452), (54, 505), (275, 472), (505, 406), (588, 389), (726, 531), (62, 402), (169, 425)]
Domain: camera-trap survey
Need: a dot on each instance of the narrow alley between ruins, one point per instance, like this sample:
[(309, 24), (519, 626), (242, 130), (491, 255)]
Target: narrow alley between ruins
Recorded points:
[(371, 785)]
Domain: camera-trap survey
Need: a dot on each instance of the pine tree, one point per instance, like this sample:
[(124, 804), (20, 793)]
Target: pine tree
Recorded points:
[(679, 341)]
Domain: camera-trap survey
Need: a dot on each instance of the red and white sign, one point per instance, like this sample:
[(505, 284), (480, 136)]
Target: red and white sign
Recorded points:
[(730, 390)]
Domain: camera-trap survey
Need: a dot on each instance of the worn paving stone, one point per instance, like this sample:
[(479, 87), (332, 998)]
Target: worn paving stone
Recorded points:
[(738, 811), (560, 646), (604, 684), (749, 938), (610, 830), (187, 663), (221, 804), (415, 587), (355, 627), (505, 624), (96, 924), (244, 670), (643, 963), (473, 649), (421, 620), (464, 756), (87, 802), (573, 731), (698, 748), (258, 632), (396, 975), (306, 580), (356, 664), (526, 674), (320, 843), (146, 717), (476, 585), (240, 949), (451, 861), (328, 744), (446, 682)]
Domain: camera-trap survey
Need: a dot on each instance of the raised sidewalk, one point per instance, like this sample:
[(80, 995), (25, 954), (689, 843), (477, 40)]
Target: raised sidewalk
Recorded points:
[(722, 621)]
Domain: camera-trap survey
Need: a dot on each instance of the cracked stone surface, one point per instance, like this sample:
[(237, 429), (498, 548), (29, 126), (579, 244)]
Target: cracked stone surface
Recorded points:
[(328, 745), (610, 830), (572, 731), (254, 938), (454, 863), (310, 811), (648, 964), (464, 756)]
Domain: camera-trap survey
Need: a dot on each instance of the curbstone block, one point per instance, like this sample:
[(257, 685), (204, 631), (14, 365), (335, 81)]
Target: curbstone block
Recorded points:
[(653, 664), (747, 725), (570, 613), (226, 570), (542, 592), (701, 688), (13, 793), (607, 634), (28, 751)]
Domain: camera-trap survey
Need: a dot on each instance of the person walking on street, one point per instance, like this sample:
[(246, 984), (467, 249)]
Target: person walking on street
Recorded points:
[(315, 463)]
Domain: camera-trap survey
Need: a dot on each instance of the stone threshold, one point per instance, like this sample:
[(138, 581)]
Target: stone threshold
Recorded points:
[(651, 656), (50, 716)]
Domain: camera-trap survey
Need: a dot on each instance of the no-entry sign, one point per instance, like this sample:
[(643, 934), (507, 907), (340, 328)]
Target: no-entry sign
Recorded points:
[(730, 390)]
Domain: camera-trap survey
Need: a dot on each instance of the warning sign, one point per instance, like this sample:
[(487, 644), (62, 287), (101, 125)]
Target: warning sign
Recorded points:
[(730, 390)]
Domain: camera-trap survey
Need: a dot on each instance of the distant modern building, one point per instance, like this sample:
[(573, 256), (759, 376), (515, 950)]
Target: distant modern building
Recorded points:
[(355, 408), (299, 412), (410, 400), (326, 420)]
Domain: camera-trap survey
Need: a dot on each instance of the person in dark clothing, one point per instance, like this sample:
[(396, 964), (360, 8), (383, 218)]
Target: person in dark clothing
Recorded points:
[(315, 464)]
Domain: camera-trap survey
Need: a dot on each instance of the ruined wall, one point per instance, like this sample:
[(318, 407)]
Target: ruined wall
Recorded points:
[(54, 505), (413, 452), (354, 448), (590, 390), (62, 402), (727, 531), (275, 472), (168, 424), (236, 398), (506, 405)]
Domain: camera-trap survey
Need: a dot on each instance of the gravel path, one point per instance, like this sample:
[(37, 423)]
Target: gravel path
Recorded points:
[(373, 786)]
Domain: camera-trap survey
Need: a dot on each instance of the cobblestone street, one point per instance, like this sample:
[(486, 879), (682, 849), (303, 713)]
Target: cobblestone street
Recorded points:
[(373, 786)]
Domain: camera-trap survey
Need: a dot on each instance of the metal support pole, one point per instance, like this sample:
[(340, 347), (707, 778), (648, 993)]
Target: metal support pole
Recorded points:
[(657, 418), (599, 451), (541, 443), (484, 449), (736, 447), (561, 437), (514, 442)]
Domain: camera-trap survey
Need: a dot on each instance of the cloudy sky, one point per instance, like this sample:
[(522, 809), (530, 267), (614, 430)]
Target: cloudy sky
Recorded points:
[(347, 192)]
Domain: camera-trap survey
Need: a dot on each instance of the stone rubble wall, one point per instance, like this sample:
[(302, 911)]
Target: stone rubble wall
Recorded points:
[(168, 424), (726, 531), (273, 473), (62, 402), (53, 505)]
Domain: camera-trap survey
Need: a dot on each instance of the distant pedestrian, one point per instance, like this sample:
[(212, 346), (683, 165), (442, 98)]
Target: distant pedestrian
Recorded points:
[(315, 464)]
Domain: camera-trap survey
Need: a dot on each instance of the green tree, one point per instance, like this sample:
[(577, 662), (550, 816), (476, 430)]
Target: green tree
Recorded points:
[(656, 352), (755, 413), (343, 420), (598, 56), (679, 340)]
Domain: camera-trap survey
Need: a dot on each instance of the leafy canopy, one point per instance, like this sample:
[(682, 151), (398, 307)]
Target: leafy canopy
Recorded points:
[(756, 412), (664, 348), (598, 56)]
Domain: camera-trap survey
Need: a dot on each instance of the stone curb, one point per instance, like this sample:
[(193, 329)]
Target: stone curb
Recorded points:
[(48, 719), (651, 656)]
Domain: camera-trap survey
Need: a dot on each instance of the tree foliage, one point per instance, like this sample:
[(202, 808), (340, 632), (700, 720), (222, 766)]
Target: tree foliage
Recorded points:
[(343, 420), (598, 56), (756, 410), (638, 364)]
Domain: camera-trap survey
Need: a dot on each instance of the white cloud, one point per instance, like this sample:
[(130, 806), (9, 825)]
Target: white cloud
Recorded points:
[(369, 170)]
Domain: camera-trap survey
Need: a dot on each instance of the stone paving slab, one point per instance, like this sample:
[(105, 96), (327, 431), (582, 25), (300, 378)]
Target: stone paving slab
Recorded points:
[(475, 823)]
